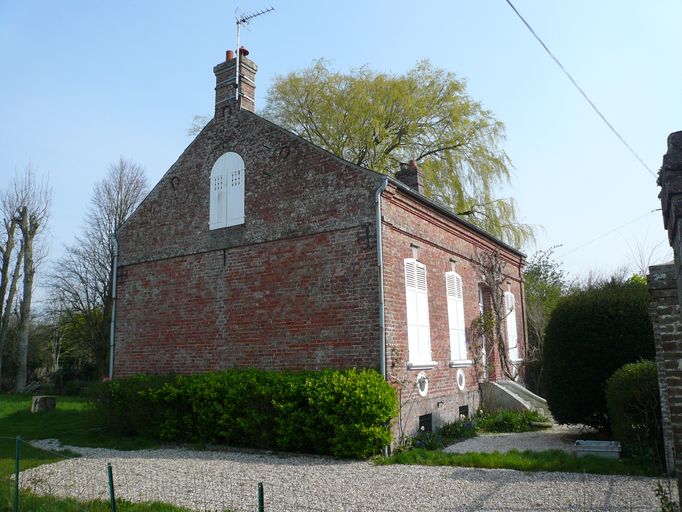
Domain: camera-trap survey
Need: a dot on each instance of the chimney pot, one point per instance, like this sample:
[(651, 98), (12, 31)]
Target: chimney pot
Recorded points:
[(243, 52), (229, 55)]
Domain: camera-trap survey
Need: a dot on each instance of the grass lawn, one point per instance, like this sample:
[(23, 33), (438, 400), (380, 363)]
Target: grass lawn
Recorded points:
[(72, 423), (550, 460)]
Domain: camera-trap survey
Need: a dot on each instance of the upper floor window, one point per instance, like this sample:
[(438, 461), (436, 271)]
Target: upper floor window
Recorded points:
[(418, 330), (512, 335), (455, 296), (227, 192)]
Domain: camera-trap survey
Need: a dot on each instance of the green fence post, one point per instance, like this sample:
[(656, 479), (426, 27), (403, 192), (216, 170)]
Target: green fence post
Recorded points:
[(16, 477), (261, 498), (111, 487)]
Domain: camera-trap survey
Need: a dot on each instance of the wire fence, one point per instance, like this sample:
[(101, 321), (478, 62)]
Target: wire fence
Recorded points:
[(47, 480)]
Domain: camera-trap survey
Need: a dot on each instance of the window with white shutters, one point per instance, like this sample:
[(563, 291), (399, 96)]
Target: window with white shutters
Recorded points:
[(455, 296), (418, 332), (512, 335), (227, 192)]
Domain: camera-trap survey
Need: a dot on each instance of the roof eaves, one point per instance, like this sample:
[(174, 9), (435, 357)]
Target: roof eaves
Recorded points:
[(449, 213)]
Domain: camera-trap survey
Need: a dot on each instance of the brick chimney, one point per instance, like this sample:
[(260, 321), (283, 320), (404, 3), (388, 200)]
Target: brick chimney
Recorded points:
[(411, 175), (225, 82)]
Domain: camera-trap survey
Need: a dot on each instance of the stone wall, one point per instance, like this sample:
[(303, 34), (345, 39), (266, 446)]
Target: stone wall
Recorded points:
[(665, 313)]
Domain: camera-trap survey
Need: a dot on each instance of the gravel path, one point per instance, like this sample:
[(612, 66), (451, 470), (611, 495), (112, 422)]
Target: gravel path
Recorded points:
[(558, 437), (216, 480)]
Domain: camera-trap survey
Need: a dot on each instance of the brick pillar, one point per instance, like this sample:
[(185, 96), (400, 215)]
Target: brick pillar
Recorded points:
[(662, 282), (665, 316)]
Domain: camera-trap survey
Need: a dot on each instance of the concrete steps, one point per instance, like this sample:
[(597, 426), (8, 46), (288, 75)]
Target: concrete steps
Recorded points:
[(507, 394)]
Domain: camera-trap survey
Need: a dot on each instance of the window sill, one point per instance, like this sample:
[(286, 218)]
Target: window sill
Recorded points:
[(460, 363), (426, 365), (516, 361)]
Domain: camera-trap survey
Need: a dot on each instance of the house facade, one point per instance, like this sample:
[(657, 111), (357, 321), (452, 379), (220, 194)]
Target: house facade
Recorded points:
[(259, 249)]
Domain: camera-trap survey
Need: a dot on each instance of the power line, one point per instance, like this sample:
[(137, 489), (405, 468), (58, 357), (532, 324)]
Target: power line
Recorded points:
[(594, 107), (609, 232)]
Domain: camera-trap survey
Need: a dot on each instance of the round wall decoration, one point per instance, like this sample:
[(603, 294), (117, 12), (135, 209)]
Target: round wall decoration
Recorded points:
[(461, 381)]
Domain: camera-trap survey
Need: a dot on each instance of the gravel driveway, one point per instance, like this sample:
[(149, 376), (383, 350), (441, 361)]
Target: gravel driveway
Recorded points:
[(216, 480), (559, 437)]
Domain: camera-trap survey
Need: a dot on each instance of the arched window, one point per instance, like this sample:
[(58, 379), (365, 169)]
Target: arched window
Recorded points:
[(227, 192)]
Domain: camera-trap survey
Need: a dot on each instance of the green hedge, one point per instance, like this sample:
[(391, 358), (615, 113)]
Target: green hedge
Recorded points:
[(342, 413), (591, 334), (634, 407)]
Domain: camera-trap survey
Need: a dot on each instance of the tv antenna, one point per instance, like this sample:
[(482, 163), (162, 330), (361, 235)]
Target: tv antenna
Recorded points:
[(245, 19)]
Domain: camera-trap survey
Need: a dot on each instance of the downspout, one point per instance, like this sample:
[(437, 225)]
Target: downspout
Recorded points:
[(380, 264), (112, 339)]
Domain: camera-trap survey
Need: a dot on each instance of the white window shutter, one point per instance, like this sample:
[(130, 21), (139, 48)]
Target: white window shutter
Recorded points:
[(455, 297), (235, 189), (512, 335), (227, 192), (417, 301), (218, 195)]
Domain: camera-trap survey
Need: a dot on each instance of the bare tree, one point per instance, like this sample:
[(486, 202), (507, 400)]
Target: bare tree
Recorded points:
[(10, 268), (82, 280), (28, 202), (643, 255)]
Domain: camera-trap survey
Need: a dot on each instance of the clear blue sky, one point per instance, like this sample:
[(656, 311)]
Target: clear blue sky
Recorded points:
[(86, 82)]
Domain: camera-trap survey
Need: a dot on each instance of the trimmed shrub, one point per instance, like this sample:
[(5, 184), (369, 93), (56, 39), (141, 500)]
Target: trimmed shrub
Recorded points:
[(590, 335), (342, 413), (634, 407), (508, 421)]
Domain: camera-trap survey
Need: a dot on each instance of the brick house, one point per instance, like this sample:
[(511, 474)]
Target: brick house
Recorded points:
[(259, 249)]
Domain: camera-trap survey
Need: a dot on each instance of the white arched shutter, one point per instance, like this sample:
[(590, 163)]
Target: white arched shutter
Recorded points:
[(218, 195), (455, 295), (512, 336), (227, 192), (417, 298), (235, 189)]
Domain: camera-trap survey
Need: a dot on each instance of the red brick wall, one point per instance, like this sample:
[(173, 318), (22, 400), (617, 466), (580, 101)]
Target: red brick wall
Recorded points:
[(405, 222), (306, 303)]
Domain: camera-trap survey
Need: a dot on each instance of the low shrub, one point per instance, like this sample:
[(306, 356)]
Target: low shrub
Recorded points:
[(634, 409), (464, 428), (508, 421), (458, 430), (342, 413)]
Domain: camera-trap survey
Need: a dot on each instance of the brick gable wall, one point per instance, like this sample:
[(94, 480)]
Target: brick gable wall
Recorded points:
[(296, 286)]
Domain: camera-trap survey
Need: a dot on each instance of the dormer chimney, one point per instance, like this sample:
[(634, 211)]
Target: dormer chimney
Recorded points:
[(225, 77), (411, 175)]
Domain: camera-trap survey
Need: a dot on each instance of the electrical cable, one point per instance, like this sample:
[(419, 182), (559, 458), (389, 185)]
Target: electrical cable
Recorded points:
[(609, 232), (594, 107)]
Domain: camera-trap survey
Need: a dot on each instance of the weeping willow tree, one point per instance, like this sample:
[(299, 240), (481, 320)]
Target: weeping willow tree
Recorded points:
[(377, 120)]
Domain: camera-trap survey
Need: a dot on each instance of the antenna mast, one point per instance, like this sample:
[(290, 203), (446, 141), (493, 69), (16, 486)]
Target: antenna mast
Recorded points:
[(245, 19)]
